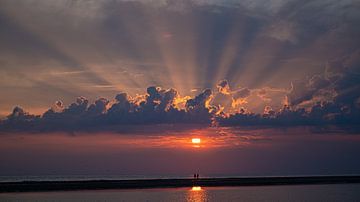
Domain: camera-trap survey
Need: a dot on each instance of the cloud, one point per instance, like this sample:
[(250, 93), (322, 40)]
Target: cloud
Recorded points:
[(99, 107), (223, 87), (98, 48), (200, 103), (230, 100), (307, 103), (76, 45), (241, 93), (339, 83), (330, 98), (283, 31)]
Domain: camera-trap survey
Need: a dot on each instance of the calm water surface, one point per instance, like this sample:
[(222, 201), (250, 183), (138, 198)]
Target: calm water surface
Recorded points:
[(346, 192)]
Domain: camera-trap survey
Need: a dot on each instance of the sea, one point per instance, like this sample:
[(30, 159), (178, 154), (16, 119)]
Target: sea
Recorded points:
[(316, 193)]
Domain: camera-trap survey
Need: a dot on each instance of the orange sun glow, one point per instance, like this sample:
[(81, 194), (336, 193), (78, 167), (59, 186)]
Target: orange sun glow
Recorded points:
[(196, 140), (196, 188)]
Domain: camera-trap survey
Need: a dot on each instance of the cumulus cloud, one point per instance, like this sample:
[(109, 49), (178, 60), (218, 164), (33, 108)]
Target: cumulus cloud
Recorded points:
[(339, 83), (99, 107), (239, 96), (200, 102), (122, 104), (66, 37), (332, 97), (223, 87), (229, 100), (317, 101)]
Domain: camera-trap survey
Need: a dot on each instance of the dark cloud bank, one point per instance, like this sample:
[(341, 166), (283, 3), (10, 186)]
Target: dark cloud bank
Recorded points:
[(331, 98)]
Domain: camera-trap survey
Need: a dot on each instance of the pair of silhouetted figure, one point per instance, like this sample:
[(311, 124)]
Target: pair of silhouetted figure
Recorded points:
[(196, 175)]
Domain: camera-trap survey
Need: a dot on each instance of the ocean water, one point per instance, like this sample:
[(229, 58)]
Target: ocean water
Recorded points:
[(328, 193)]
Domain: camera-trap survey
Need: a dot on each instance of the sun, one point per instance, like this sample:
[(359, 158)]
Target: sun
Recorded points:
[(196, 140)]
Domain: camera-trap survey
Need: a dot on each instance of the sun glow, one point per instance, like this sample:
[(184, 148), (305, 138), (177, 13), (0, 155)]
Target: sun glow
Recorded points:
[(196, 188), (197, 194), (196, 140)]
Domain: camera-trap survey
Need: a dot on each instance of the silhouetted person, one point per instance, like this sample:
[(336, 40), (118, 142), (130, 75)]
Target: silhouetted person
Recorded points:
[(197, 176), (194, 176)]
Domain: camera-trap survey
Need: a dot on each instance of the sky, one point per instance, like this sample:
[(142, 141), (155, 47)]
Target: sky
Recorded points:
[(223, 152), (113, 67), (60, 50)]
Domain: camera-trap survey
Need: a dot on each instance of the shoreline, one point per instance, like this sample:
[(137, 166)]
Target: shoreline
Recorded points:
[(44, 186)]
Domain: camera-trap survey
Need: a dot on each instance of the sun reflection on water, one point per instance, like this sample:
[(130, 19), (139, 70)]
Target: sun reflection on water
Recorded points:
[(196, 188), (196, 194)]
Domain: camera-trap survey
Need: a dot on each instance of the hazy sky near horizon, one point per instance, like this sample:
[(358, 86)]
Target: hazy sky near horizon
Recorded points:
[(222, 152), (59, 50)]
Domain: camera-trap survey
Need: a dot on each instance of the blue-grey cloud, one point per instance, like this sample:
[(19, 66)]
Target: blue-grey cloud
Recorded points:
[(258, 47), (125, 38), (306, 105)]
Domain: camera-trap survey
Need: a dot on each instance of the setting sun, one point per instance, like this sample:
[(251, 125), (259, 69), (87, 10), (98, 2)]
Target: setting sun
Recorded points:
[(196, 140)]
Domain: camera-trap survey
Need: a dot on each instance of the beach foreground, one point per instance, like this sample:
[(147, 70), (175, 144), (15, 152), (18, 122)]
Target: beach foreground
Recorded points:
[(40, 186)]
